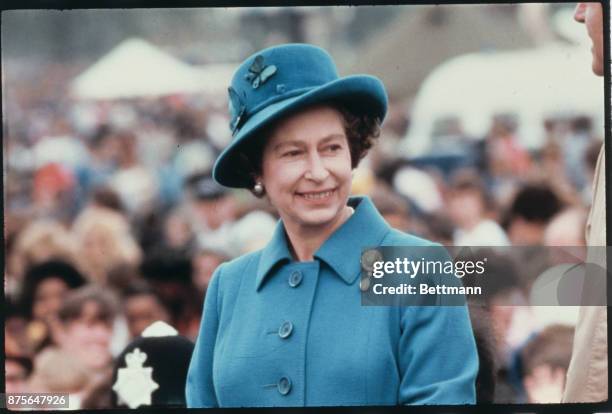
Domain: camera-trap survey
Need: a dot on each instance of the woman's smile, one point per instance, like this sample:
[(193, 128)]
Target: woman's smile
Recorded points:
[(320, 196)]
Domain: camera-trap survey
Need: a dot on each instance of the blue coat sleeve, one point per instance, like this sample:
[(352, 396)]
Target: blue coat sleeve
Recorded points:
[(438, 357), (200, 391)]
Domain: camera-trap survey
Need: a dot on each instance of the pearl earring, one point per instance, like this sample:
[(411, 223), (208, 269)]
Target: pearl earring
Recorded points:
[(258, 189)]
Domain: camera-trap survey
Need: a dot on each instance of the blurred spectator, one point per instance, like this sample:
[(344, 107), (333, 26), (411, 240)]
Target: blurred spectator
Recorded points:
[(105, 197), (39, 241), (397, 120), (149, 230), (503, 158), (45, 287), (86, 318), (121, 277), (17, 372), (192, 158), (418, 186), (104, 148), (170, 273), (450, 138), (545, 359), (566, 228), (251, 232), (135, 184), (17, 356), (142, 306), (393, 208), (178, 233), (212, 202), (505, 303), (440, 229), (53, 192), (550, 168), (485, 344), (529, 213), (16, 340), (506, 156), (574, 149), (467, 207), (14, 224), (204, 262), (73, 377), (212, 209), (104, 241)]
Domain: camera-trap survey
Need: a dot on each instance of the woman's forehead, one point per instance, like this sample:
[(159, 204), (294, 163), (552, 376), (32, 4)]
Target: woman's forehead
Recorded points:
[(283, 142), (93, 312), (313, 124)]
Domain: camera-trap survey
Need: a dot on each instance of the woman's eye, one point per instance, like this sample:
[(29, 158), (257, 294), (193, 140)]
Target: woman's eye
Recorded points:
[(292, 153), (334, 148)]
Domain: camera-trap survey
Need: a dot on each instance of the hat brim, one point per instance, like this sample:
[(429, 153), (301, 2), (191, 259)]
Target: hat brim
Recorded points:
[(361, 94)]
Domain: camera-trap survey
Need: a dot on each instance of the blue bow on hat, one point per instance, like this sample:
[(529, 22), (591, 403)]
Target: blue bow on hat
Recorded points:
[(281, 80)]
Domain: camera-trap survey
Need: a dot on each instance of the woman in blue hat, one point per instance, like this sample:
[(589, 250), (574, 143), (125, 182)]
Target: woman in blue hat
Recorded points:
[(284, 326)]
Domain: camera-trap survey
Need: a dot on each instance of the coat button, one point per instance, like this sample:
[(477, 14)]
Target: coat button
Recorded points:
[(295, 278), (285, 330), (284, 385)]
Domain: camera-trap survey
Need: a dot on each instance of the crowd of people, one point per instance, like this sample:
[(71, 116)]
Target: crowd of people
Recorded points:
[(113, 222)]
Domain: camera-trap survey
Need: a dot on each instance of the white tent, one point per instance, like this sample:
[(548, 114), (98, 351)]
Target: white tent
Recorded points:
[(215, 78), (136, 68), (532, 85)]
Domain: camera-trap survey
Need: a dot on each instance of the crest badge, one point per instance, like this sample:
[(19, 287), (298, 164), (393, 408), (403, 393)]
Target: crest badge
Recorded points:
[(135, 384)]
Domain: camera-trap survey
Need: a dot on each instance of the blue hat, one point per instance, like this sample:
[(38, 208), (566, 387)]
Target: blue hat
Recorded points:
[(283, 79)]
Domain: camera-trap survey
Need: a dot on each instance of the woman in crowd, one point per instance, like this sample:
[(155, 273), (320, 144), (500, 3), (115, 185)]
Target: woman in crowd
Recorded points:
[(284, 326), (45, 287), (104, 241)]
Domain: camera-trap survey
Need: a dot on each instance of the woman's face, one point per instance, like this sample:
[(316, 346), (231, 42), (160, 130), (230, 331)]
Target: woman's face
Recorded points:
[(48, 298), (88, 337), (306, 168)]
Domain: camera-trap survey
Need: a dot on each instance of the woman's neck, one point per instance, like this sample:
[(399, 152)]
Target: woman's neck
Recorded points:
[(305, 240)]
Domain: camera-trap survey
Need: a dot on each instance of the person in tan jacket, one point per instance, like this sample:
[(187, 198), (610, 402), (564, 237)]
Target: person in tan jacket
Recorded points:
[(587, 377)]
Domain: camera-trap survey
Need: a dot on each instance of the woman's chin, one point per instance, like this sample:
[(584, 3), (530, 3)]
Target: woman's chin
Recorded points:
[(320, 217)]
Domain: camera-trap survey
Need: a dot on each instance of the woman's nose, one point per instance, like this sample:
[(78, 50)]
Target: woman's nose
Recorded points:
[(317, 171), (579, 12)]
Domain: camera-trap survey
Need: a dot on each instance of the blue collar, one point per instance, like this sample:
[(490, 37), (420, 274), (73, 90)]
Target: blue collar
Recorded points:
[(341, 251)]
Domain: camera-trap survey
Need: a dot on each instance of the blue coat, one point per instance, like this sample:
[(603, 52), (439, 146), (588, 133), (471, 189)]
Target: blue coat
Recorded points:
[(276, 332)]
